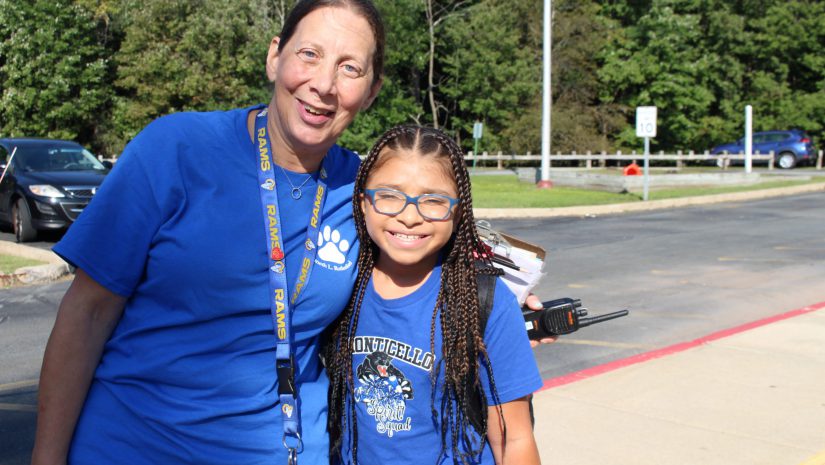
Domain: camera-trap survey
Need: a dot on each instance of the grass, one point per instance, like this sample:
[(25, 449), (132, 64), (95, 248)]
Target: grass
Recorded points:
[(695, 191), (506, 191), (9, 263)]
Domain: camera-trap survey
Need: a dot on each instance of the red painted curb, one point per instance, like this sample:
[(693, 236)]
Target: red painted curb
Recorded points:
[(676, 348)]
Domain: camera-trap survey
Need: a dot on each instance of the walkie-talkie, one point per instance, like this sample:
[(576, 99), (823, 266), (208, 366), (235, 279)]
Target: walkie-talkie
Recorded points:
[(561, 316)]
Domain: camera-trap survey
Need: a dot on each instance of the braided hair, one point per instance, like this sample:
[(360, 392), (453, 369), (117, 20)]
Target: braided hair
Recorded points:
[(456, 308)]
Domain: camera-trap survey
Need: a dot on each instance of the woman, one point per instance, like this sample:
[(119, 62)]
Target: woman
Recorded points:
[(163, 349)]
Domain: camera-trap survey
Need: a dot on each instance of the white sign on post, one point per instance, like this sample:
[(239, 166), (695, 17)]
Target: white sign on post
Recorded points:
[(646, 128), (645, 121), (477, 130)]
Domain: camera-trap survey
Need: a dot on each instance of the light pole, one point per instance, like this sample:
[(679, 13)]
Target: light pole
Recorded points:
[(547, 100)]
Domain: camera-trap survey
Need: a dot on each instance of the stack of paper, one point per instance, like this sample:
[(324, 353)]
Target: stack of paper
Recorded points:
[(522, 262)]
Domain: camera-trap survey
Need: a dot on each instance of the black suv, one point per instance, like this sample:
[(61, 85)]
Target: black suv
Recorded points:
[(46, 183)]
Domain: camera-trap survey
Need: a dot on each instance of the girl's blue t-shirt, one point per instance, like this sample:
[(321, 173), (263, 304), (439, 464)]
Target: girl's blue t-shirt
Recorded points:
[(188, 375), (393, 364)]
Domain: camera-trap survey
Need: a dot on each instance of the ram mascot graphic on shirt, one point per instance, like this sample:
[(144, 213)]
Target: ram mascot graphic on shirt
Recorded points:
[(383, 387)]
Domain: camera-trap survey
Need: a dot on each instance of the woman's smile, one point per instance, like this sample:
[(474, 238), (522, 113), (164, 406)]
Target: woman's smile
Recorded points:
[(314, 115)]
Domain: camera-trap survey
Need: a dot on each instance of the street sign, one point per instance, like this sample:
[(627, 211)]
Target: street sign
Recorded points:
[(477, 129), (645, 121)]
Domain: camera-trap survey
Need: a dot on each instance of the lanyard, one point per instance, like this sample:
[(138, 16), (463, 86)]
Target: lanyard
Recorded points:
[(280, 306)]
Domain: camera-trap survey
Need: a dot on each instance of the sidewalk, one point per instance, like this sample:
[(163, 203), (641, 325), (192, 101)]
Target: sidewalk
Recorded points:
[(752, 395)]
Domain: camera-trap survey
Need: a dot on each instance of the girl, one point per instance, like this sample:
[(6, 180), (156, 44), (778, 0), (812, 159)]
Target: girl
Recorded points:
[(408, 364)]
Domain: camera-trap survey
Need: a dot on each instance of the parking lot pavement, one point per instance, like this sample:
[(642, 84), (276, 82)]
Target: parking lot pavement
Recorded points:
[(751, 395)]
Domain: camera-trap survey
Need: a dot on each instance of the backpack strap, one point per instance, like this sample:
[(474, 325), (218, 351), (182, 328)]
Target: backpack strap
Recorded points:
[(486, 295)]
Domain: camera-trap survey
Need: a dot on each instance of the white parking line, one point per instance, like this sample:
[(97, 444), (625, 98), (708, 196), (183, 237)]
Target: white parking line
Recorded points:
[(18, 385), (18, 407)]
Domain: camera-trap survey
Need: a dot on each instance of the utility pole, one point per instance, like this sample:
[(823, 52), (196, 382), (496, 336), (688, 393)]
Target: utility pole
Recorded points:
[(547, 98)]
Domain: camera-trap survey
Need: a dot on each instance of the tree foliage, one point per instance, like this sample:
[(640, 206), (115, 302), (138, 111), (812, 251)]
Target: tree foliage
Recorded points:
[(186, 55), (55, 73), (97, 71)]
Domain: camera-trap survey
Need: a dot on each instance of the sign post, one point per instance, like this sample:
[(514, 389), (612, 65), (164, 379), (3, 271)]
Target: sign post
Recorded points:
[(478, 128), (546, 95), (748, 138), (646, 127)]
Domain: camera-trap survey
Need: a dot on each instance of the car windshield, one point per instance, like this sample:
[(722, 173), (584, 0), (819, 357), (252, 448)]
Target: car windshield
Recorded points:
[(54, 157)]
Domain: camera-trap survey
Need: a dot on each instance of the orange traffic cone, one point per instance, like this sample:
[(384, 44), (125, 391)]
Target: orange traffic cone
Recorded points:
[(632, 169)]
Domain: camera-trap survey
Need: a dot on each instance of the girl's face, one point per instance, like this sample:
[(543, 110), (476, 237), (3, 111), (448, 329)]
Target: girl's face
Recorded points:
[(409, 243), (323, 77)]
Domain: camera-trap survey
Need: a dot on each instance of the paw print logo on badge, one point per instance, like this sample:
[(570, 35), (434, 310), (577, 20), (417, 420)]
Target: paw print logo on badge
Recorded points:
[(331, 248)]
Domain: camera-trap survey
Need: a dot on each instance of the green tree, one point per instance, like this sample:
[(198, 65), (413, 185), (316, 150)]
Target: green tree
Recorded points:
[(188, 55), (488, 73), (55, 71), (662, 61), (580, 121), (786, 79)]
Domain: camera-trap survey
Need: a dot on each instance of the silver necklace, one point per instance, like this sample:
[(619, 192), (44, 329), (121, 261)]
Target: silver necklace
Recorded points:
[(296, 191)]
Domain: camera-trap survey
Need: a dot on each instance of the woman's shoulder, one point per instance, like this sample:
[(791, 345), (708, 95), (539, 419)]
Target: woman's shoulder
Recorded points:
[(198, 131), (189, 124), (342, 165)]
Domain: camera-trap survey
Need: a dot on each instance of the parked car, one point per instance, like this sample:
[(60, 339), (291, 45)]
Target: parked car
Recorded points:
[(790, 147), (47, 184)]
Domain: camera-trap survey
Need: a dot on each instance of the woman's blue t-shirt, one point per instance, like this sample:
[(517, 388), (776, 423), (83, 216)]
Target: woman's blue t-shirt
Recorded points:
[(188, 376)]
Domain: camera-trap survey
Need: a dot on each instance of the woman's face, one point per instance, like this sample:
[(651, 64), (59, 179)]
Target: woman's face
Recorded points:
[(323, 77)]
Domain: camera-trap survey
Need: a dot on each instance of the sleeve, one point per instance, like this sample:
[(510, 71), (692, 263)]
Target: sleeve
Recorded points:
[(515, 373), (111, 238)]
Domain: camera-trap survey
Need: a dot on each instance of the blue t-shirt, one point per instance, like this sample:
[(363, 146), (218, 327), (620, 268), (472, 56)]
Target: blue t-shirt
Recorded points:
[(188, 375), (392, 367)]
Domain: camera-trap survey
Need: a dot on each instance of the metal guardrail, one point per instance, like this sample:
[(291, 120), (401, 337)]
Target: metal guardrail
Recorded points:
[(680, 158)]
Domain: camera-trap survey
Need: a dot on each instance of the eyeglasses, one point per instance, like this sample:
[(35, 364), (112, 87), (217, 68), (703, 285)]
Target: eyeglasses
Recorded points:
[(434, 207)]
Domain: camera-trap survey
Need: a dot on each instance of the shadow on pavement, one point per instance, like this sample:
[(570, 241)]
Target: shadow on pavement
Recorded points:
[(17, 427)]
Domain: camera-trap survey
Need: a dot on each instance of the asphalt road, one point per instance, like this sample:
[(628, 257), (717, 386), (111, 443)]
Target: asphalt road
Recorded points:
[(45, 239), (683, 274)]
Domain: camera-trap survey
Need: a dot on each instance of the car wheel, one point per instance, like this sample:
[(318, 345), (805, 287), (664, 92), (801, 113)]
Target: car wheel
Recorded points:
[(22, 222), (787, 160)]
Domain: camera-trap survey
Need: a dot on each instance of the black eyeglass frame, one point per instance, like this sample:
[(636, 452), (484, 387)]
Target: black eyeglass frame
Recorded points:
[(370, 194)]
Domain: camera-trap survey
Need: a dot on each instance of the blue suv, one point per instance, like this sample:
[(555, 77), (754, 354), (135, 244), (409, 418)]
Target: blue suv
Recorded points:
[(790, 147)]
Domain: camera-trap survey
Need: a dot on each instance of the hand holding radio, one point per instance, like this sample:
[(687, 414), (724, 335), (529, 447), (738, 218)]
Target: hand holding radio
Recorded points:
[(562, 316)]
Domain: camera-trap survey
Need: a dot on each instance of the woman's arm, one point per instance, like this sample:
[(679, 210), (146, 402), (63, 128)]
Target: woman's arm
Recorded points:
[(519, 447), (85, 319)]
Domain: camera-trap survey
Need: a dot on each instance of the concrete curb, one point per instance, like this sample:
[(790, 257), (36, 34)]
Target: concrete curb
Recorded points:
[(54, 269), (616, 208)]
